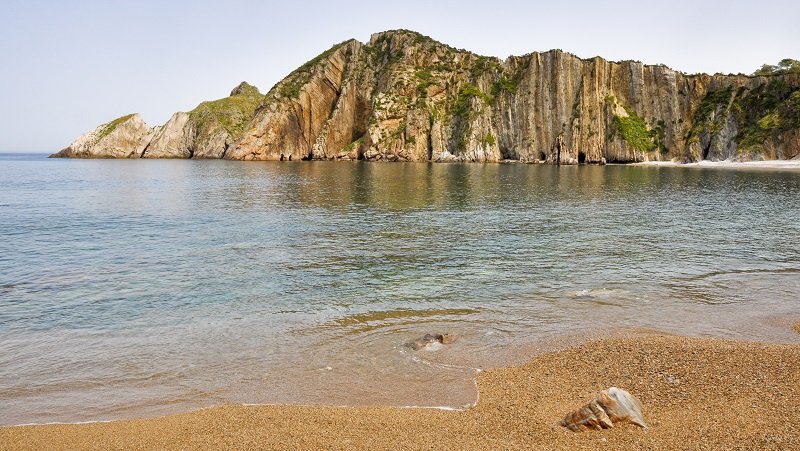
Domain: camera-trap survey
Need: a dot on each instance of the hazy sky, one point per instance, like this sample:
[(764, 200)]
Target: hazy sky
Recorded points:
[(68, 66)]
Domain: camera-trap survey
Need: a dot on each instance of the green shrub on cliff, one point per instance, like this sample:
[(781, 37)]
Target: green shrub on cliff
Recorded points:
[(231, 113), (634, 131), (466, 93), (424, 80), (705, 118), (504, 85), (766, 111), (111, 126), (785, 66), (292, 84)]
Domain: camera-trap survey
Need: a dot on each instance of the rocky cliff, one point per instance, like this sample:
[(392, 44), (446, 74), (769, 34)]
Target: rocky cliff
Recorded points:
[(405, 97)]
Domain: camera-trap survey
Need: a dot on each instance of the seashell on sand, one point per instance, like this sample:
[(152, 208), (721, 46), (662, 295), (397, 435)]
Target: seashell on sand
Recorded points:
[(611, 406)]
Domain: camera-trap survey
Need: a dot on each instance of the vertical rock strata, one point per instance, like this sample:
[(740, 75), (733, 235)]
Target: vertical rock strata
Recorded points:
[(405, 97)]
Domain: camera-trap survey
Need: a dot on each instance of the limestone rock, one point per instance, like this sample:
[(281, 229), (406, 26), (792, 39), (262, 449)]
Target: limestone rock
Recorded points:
[(124, 137), (173, 140), (611, 406), (209, 130), (404, 97)]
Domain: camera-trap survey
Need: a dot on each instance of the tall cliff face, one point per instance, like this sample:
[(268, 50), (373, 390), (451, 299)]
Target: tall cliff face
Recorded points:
[(405, 97)]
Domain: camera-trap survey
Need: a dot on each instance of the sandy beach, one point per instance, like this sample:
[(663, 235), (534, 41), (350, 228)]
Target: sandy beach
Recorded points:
[(697, 394), (793, 164)]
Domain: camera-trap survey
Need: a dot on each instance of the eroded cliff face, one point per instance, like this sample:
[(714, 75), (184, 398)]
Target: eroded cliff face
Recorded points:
[(209, 130), (124, 137), (405, 97)]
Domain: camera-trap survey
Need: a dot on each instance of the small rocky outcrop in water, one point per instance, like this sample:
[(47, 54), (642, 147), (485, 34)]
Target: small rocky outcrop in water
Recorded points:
[(429, 340), (124, 137), (614, 405), (403, 96)]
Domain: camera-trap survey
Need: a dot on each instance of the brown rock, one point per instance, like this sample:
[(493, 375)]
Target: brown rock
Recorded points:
[(611, 406), (420, 343), (446, 339)]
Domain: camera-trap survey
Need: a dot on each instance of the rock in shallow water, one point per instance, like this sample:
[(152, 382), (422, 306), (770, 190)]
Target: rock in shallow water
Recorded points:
[(611, 406), (431, 342)]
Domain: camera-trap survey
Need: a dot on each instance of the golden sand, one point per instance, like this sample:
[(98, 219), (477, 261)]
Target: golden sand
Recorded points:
[(697, 393)]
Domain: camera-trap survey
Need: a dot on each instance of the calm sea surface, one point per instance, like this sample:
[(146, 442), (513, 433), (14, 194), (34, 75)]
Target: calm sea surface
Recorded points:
[(131, 288)]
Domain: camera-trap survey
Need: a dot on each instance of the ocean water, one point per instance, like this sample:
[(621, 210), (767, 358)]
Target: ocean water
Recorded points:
[(138, 288)]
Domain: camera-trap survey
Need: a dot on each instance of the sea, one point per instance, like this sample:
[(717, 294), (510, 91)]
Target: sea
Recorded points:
[(136, 288)]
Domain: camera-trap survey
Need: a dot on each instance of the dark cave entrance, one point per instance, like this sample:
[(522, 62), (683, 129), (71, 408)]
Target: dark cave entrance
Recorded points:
[(581, 157)]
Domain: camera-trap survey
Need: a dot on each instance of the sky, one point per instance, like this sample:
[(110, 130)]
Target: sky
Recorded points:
[(68, 66)]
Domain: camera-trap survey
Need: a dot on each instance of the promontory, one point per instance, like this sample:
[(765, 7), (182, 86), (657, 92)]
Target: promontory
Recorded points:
[(406, 97)]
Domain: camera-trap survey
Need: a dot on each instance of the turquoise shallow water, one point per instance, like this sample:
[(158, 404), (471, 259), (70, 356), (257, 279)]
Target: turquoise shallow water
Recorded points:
[(132, 288)]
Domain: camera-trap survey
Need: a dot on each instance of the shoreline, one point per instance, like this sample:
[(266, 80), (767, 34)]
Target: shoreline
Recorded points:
[(696, 392), (790, 164), (725, 164)]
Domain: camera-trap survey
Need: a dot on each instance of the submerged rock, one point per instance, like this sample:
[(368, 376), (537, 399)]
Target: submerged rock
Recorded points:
[(431, 341), (611, 406)]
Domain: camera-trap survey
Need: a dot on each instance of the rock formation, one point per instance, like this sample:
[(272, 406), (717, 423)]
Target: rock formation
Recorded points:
[(614, 405), (124, 137), (405, 97)]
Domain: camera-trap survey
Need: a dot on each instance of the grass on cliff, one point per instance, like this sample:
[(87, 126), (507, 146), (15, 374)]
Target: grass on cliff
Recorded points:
[(355, 144), (292, 85), (463, 112), (484, 64), (765, 112), (504, 85), (231, 113), (634, 131), (111, 126), (706, 118), (424, 80), (462, 106), (760, 114)]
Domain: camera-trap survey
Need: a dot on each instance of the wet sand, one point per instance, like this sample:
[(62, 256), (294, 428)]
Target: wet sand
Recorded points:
[(697, 393)]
